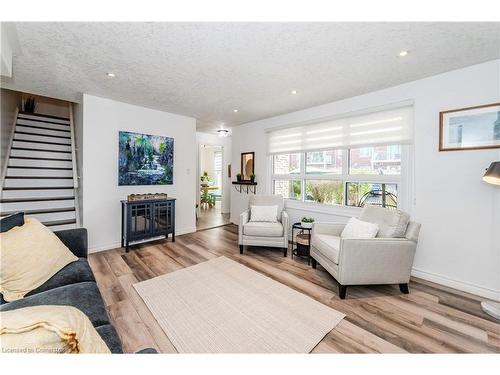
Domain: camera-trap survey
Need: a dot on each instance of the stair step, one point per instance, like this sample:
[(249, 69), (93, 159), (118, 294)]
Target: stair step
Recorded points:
[(42, 193), (42, 124), (36, 168), (40, 154), (39, 172), (42, 117), (40, 146), (44, 138), (56, 215), (43, 131), (38, 182), (15, 200), (29, 160), (38, 204), (38, 177), (57, 228), (39, 211), (59, 222)]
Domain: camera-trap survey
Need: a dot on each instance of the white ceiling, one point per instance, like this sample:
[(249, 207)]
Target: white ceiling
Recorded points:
[(205, 70)]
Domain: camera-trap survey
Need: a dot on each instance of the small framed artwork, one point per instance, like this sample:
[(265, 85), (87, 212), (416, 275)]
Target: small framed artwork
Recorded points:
[(229, 170), (472, 128)]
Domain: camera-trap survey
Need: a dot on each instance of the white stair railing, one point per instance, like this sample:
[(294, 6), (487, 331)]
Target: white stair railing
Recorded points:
[(7, 154), (74, 165)]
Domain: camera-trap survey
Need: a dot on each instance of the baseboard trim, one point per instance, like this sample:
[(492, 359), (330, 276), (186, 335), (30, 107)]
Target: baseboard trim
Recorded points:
[(117, 245), (457, 284)]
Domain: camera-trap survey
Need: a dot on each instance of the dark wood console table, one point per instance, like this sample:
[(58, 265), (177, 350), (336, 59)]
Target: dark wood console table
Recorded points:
[(142, 220)]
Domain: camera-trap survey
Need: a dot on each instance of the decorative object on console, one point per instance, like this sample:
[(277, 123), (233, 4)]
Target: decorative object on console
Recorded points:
[(147, 219), (238, 177), (145, 159), (492, 176), (145, 197), (470, 128), (252, 177), (307, 222), (247, 165)]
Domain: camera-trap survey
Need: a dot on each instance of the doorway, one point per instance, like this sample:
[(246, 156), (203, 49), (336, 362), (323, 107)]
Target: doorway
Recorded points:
[(211, 188)]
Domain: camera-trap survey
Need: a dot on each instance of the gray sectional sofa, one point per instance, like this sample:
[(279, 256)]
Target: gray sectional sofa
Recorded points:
[(74, 285)]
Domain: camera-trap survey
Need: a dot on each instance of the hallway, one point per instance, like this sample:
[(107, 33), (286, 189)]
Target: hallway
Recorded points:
[(211, 217)]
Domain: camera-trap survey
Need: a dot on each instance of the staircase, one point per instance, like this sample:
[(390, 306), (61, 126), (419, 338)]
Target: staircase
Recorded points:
[(40, 176)]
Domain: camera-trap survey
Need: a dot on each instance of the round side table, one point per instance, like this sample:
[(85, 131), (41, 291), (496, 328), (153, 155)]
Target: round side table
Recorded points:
[(301, 242)]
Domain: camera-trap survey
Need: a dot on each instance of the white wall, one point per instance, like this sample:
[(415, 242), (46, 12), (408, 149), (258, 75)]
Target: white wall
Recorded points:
[(459, 244), (9, 101), (226, 143), (102, 120)]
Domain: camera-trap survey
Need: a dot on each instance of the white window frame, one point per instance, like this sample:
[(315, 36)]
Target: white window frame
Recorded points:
[(402, 181)]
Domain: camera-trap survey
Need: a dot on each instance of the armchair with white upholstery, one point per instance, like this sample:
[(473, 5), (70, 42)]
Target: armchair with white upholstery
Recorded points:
[(267, 234), (385, 259)]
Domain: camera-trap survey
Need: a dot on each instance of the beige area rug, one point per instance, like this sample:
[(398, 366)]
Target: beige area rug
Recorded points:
[(221, 306)]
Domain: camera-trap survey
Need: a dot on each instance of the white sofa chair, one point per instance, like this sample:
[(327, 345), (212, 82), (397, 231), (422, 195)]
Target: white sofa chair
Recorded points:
[(267, 234), (386, 259)]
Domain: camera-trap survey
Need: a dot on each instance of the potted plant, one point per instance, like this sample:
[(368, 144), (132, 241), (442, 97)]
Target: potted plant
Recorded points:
[(307, 222), (252, 177), (238, 177)]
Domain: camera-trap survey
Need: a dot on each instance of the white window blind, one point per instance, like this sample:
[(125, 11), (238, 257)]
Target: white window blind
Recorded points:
[(389, 126)]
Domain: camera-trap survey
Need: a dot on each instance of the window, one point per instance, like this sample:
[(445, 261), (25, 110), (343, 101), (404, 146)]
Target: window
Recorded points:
[(324, 162), (289, 189), (350, 177), (218, 171), (286, 164), (381, 160), (324, 191)]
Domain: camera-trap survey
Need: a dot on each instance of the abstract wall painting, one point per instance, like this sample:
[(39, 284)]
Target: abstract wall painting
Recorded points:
[(145, 159)]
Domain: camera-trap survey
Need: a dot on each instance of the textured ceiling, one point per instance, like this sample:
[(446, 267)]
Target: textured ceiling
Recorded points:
[(205, 70)]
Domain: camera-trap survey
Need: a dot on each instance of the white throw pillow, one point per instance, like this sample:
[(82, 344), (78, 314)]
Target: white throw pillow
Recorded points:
[(359, 229), (264, 213)]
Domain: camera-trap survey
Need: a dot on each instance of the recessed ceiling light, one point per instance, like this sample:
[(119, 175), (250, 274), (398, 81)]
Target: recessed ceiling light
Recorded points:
[(111, 75), (235, 110), (293, 92), (403, 53)]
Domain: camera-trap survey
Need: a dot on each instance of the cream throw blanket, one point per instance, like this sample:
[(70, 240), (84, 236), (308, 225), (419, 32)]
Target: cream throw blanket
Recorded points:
[(29, 256), (49, 329)]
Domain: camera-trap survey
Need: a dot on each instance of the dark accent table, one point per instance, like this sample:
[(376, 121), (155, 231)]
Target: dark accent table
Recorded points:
[(142, 220), (298, 249)]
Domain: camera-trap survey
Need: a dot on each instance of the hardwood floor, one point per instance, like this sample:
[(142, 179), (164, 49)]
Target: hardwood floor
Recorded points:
[(431, 319), (211, 217)]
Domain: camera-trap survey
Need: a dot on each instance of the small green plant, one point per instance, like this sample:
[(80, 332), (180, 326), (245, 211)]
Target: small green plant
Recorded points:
[(307, 219), (238, 177), (252, 177), (205, 178)]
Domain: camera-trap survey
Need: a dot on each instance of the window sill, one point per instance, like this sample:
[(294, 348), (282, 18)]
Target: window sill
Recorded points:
[(323, 208)]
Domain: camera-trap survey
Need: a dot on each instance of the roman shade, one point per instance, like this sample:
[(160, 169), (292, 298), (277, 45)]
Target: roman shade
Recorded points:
[(378, 127)]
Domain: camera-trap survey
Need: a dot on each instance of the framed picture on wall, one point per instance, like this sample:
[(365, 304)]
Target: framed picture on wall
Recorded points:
[(472, 128)]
